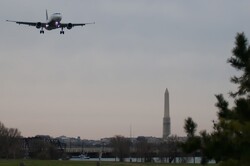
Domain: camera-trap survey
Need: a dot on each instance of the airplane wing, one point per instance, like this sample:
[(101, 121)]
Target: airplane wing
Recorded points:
[(71, 25), (28, 23)]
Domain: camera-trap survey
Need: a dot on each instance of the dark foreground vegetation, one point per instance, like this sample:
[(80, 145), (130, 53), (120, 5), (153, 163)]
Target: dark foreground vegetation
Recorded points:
[(81, 163), (229, 142)]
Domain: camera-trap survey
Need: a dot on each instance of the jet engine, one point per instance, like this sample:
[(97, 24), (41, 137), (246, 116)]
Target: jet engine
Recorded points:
[(38, 25), (69, 26)]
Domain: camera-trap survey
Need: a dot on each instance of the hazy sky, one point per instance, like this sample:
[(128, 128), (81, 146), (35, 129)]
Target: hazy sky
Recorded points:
[(99, 80)]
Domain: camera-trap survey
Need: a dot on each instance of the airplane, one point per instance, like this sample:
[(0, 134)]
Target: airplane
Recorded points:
[(52, 22)]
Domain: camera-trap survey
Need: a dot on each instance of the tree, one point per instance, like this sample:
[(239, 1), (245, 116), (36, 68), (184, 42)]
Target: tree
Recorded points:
[(121, 147), (230, 140), (10, 142), (14, 143), (43, 148), (3, 140), (240, 61), (190, 127), (192, 145), (169, 149), (144, 149)]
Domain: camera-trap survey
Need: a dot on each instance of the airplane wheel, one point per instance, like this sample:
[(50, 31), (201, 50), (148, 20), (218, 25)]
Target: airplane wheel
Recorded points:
[(61, 32), (41, 32)]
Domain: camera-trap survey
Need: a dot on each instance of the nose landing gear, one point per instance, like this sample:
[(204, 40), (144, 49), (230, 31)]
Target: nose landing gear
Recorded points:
[(62, 32), (42, 31)]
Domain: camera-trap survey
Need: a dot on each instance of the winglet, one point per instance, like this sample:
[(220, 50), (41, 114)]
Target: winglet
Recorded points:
[(47, 17), (10, 21)]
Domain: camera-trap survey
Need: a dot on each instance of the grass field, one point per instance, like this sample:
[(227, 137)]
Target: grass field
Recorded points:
[(81, 163)]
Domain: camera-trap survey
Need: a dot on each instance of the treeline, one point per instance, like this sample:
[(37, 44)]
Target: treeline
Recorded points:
[(43, 148), (144, 150), (10, 142), (14, 146)]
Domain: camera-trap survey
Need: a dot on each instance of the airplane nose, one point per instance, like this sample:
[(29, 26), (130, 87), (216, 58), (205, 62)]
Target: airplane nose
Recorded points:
[(59, 18)]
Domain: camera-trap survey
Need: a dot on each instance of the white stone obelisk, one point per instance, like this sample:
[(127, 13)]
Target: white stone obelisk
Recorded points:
[(166, 118)]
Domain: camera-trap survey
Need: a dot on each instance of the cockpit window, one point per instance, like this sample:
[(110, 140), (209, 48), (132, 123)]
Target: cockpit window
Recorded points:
[(57, 13)]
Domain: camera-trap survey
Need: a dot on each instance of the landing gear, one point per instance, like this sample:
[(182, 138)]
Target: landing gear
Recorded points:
[(62, 32), (42, 31)]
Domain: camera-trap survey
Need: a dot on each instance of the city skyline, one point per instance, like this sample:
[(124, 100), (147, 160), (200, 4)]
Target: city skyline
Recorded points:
[(97, 81)]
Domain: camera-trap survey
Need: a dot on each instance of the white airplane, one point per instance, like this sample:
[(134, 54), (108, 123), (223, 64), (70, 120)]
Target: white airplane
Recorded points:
[(54, 22)]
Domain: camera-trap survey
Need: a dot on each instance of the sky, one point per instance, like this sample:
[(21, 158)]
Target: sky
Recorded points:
[(109, 78)]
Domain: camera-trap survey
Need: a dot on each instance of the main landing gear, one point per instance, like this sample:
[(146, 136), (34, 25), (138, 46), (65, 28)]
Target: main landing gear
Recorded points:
[(42, 31)]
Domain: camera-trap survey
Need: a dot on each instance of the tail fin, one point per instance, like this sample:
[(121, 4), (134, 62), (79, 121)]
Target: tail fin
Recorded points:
[(47, 17)]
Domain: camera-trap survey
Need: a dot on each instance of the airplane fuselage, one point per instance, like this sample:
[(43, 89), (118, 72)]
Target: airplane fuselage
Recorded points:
[(54, 21)]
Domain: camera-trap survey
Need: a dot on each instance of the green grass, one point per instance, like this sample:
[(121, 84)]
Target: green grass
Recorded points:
[(81, 163)]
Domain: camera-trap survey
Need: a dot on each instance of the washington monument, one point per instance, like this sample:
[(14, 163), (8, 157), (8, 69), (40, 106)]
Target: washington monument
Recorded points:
[(166, 118)]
